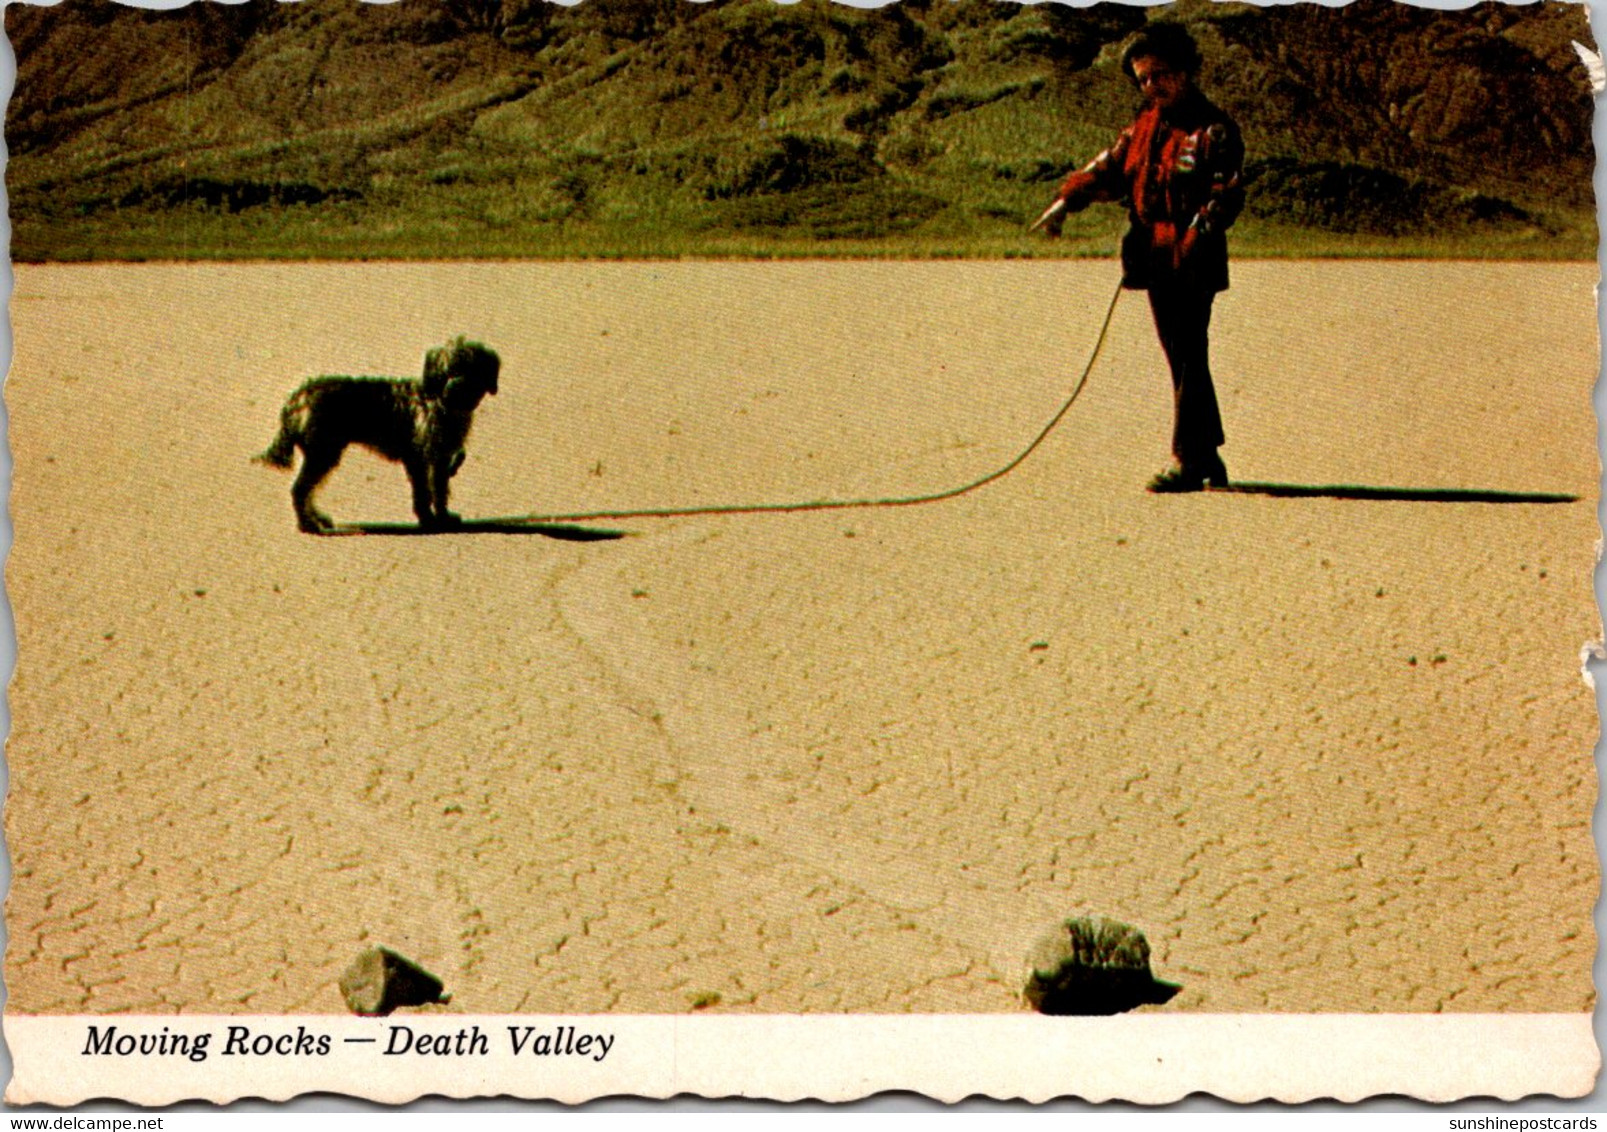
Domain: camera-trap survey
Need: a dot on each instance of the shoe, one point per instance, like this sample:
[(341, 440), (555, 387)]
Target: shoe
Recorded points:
[(1175, 481), (1213, 473)]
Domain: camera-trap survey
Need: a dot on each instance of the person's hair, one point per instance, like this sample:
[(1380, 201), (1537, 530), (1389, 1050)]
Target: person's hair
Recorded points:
[(1169, 42)]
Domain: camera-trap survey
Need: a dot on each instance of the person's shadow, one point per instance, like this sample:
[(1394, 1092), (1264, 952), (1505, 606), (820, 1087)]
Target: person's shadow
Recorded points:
[(1397, 494), (573, 532)]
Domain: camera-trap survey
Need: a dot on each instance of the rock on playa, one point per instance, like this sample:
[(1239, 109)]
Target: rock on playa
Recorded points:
[(1092, 965), (379, 981)]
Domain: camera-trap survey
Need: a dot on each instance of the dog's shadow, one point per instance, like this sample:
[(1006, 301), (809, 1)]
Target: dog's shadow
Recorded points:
[(566, 532)]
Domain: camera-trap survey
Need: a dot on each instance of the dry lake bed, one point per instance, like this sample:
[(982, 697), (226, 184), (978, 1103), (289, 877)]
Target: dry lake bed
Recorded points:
[(1330, 754)]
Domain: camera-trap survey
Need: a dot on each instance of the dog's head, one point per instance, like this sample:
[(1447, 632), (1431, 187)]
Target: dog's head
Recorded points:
[(460, 370)]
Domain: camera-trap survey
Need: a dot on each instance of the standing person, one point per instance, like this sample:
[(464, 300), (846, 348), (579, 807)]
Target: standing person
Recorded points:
[(1179, 168)]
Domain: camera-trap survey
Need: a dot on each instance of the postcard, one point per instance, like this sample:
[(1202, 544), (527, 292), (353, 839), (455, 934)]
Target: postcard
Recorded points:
[(727, 548)]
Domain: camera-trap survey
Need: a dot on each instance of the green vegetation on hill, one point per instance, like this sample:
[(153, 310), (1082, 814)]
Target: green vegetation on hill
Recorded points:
[(511, 128)]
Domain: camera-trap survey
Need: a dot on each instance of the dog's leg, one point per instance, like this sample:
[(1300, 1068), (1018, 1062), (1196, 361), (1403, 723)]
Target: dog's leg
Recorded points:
[(418, 474), (316, 463), (440, 479)]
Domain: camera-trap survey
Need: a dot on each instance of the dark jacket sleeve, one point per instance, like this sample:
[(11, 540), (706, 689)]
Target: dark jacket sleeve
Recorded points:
[(1224, 159), (1102, 179)]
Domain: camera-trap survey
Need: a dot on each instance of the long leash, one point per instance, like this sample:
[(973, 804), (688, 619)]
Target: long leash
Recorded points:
[(845, 504)]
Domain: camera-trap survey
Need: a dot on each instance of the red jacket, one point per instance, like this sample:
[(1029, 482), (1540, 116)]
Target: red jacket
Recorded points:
[(1180, 174)]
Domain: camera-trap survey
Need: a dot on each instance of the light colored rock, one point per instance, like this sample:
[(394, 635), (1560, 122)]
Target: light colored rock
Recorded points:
[(379, 981), (1092, 965)]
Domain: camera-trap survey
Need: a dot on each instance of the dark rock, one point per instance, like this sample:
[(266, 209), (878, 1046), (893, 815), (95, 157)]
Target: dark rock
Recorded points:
[(379, 981), (1093, 966)]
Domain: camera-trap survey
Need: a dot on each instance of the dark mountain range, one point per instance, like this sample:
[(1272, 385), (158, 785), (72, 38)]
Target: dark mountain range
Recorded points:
[(520, 127)]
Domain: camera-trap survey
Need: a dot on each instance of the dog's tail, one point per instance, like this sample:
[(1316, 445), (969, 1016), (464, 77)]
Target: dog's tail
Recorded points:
[(281, 453), (292, 422)]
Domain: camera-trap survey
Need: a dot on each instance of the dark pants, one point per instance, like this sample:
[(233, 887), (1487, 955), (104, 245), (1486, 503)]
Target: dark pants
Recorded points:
[(1183, 320)]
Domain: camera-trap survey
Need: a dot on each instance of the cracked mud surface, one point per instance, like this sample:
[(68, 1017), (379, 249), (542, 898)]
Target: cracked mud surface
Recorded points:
[(1328, 754)]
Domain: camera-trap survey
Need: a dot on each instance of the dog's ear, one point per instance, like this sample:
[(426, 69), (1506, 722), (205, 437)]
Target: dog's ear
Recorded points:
[(489, 365), (438, 364), (477, 363)]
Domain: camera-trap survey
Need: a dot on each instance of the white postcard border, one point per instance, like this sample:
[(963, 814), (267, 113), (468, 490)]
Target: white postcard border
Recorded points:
[(1150, 1059)]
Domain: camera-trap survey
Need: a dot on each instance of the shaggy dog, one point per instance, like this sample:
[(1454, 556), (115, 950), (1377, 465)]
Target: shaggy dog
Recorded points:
[(420, 424)]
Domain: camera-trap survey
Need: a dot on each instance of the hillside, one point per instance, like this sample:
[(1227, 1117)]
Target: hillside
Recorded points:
[(485, 128)]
